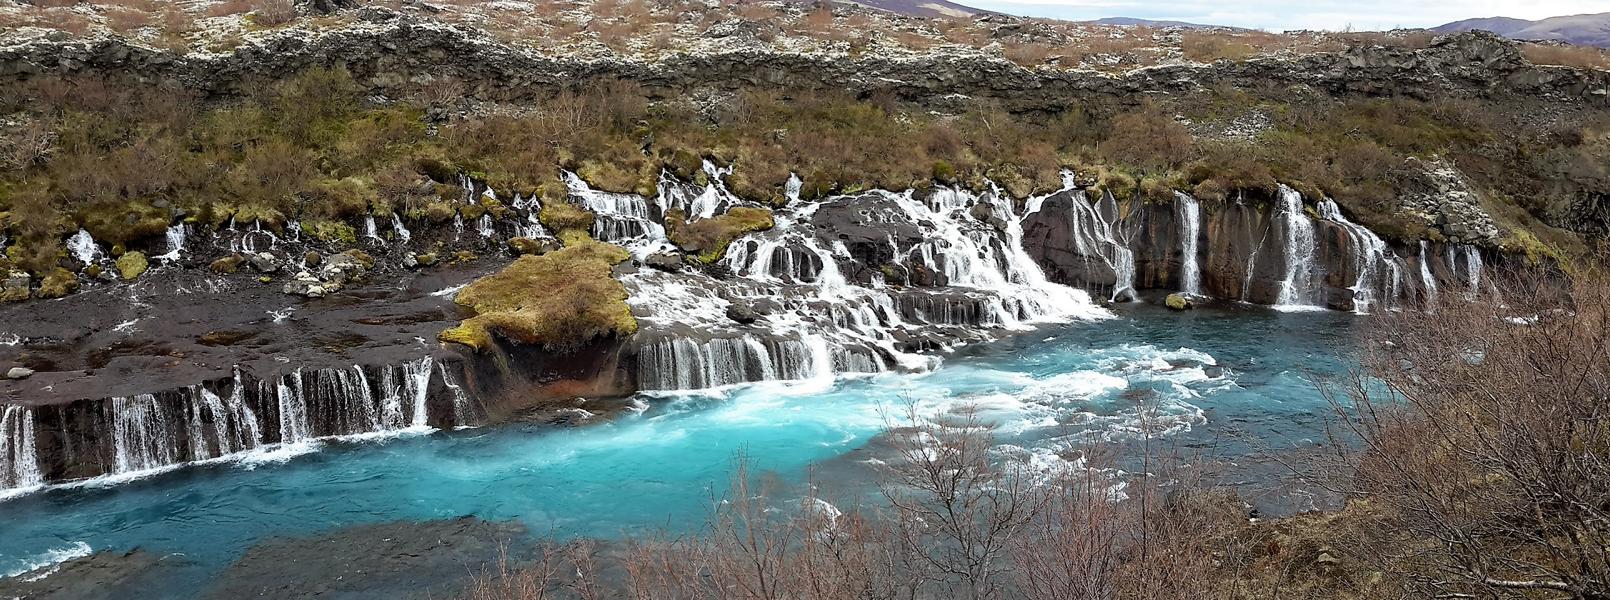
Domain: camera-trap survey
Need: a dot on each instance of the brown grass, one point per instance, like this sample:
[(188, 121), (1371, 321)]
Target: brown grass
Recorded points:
[(558, 300), (1582, 57)]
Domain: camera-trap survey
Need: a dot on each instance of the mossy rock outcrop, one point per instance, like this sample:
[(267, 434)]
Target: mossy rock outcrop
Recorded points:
[(132, 265), (57, 283), (560, 216), (228, 264), (707, 239), (559, 301)]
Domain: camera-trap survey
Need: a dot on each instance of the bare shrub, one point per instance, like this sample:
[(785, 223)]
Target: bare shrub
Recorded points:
[(273, 13), (1485, 447), (1582, 57)]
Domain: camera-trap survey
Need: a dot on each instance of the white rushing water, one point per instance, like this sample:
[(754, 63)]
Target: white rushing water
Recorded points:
[(1190, 215), (820, 324), (1380, 272), (399, 229), (152, 433), (19, 454), (1428, 282), (175, 237), (82, 246), (619, 218), (1296, 287)]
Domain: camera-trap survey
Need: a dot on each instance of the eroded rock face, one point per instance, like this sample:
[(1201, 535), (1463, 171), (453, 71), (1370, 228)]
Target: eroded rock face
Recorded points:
[(390, 51), (1438, 194)]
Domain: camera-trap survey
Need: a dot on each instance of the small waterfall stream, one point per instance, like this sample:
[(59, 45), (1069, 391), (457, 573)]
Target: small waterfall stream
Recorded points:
[(1296, 288), (1190, 215), (147, 433), (1380, 272), (1428, 282), (19, 458), (82, 246), (175, 238)]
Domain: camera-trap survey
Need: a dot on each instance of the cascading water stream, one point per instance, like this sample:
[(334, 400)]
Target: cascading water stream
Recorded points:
[(82, 246), (1380, 272), (19, 454), (398, 228), (1296, 288), (1190, 214), (1428, 282), (175, 237)]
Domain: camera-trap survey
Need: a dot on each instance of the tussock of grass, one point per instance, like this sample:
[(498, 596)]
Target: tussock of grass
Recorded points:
[(560, 300), (561, 216), (708, 238)]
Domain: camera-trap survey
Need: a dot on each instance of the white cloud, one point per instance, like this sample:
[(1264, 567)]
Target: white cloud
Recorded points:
[(1286, 14)]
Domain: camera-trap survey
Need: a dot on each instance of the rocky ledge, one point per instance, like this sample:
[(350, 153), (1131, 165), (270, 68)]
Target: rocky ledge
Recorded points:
[(393, 52)]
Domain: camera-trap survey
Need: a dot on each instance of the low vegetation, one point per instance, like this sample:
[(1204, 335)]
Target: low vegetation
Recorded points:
[(124, 159), (707, 239), (559, 301)]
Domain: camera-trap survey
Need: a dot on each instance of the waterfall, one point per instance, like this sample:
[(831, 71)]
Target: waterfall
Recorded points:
[(1296, 286), (617, 217), (1427, 280), (1380, 273), (1473, 267), (484, 226), (827, 312), (416, 375), (458, 226), (369, 229), (142, 434), (1190, 233), (292, 409), (175, 238), (709, 200), (401, 230), (461, 401), (792, 187), (82, 246), (19, 454)]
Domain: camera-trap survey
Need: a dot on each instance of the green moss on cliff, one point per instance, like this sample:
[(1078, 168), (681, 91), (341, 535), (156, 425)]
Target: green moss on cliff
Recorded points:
[(707, 239), (560, 301)]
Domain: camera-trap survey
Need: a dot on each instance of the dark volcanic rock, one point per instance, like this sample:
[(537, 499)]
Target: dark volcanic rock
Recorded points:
[(99, 576), (865, 225), (432, 559), (742, 314)]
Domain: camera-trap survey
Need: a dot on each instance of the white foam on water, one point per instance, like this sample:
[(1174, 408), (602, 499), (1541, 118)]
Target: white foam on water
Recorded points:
[(46, 564)]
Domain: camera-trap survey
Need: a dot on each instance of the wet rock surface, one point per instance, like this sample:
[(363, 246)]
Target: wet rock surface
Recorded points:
[(99, 576), (432, 559)]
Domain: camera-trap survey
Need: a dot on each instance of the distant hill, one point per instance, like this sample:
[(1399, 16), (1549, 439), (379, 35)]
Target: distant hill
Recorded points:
[(1149, 23), (921, 8), (1586, 30)]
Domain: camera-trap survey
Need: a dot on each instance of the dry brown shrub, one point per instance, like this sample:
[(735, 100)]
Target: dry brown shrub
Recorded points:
[(1028, 55), (230, 8), (62, 19), (55, 3), (1582, 57), (1210, 46), (272, 13), (123, 20)]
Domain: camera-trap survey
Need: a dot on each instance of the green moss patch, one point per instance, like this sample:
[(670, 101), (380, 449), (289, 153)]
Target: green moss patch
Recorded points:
[(132, 265), (707, 239), (560, 216), (560, 301)]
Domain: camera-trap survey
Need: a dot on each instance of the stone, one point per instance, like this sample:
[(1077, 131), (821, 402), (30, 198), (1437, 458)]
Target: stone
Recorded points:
[(410, 261), (742, 314), (305, 284), (228, 264), (1327, 559), (263, 262), (19, 373), (132, 265), (664, 261), (312, 259), (346, 267), (522, 246), (15, 288), (1178, 302)]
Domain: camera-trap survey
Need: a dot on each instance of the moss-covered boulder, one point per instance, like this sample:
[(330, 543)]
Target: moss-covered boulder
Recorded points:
[(522, 246), (707, 239), (559, 301), (132, 265), (1178, 302), (228, 264), (57, 283), (560, 216), (332, 231), (119, 222), (15, 287)]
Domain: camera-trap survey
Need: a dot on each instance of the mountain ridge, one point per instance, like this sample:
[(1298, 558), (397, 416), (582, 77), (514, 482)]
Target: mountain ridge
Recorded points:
[(1585, 29)]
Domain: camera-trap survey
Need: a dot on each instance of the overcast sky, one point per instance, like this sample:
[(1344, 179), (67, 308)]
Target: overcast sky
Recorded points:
[(1279, 15)]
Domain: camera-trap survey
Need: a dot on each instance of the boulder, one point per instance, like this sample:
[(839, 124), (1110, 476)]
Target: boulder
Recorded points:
[(346, 267), (1179, 302), (263, 262), (19, 373), (228, 264), (742, 314), (665, 261), (305, 284), (312, 259), (57, 283), (132, 265), (15, 287)]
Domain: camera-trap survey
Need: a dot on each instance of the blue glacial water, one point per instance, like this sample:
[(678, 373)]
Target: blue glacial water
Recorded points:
[(1053, 389)]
